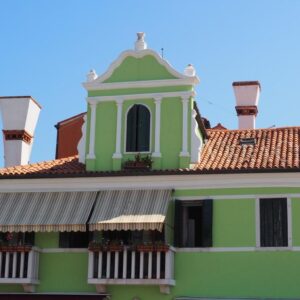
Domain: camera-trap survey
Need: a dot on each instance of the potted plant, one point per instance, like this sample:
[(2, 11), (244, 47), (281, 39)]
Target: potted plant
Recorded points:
[(139, 162), (116, 246), (145, 247), (161, 247)]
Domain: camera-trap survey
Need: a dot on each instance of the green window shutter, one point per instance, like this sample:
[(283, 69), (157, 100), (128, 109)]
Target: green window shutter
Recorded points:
[(138, 129), (273, 222), (178, 224), (143, 129), (131, 131), (207, 223)]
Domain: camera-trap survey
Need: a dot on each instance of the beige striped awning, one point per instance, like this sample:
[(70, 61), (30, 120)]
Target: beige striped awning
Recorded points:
[(130, 210), (45, 211)]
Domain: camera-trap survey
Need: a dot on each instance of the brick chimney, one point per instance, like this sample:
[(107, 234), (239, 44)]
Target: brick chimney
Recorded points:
[(247, 96), (19, 117)]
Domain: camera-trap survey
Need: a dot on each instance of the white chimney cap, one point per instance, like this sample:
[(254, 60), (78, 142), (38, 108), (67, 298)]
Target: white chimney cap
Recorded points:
[(140, 44), (190, 70), (246, 92), (91, 76)]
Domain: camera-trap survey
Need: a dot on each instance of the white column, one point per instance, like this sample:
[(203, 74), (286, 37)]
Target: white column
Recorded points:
[(157, 127), (91, 154), (117, 153), (185, 103)]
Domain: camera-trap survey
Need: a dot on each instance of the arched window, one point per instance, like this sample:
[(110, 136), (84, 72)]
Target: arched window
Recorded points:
[(138, 129)]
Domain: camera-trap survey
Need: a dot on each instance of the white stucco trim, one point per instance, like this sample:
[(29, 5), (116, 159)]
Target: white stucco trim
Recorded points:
[(119, 103), (157, 101), (97, 84), (141, 84), (98, 99), (184, 150), (91, 154), (181, 182), (125, 130)]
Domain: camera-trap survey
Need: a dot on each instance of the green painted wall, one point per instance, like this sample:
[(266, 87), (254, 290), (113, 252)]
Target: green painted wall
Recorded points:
[(136, 69), (296, 221), (234, 223), (64, 272)]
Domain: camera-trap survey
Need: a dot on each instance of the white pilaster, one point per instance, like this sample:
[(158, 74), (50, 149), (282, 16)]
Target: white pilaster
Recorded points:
[(157, 127), (117, 153), (91, 154), (185, 102)]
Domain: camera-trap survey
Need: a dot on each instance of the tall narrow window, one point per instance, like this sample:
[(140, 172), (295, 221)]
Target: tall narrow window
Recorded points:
[(273, 222), (193, 223), (138, 129)]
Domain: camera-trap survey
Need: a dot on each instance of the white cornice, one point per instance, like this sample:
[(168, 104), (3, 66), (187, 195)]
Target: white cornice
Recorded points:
[(196, 181), (98, 84), (91, 86), (97, 99)]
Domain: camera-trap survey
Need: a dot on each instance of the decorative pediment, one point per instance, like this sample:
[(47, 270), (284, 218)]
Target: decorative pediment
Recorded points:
[(139, 68)]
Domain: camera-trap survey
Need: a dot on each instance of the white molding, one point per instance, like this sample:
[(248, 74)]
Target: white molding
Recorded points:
[(98, 84), (257, 222), (157, 101), (236, 197), (131, 281), (91, 154), (141, 84), (98, 99), (119, 103), (185, 102), (179, 182), (125, 130), (237, 249), (290, 223)]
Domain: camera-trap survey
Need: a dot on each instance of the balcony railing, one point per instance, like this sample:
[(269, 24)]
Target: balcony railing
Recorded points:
[(131, 267), (19, 265)]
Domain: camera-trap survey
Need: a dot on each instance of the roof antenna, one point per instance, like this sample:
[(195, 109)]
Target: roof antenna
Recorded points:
[(162, 53)]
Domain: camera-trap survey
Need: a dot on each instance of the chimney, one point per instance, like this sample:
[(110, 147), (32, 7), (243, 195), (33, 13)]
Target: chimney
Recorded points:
[(19, 117), (247, 96)]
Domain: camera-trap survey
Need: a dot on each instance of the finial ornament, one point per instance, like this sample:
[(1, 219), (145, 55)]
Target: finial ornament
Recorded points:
[(140, 44), (91, 76), (189, 70)]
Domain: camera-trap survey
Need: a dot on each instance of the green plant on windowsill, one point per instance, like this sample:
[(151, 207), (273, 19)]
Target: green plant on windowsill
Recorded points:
[(106, 245), (139, 162)]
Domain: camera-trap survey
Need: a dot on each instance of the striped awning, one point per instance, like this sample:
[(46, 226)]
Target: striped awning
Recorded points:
[(130, 210), (45, 211)]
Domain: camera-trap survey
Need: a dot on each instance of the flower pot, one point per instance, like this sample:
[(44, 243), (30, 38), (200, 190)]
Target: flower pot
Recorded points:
[(145, 248), (162, 248)]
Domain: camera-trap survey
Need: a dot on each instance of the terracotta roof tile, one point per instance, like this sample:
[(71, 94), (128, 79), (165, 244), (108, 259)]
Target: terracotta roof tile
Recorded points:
[(275, 149)]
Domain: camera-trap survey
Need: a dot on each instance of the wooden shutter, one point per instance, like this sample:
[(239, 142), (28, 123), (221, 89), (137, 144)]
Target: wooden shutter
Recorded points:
[(143, 129), (207, 223), (178, 224), (273, 222), (131, 129)]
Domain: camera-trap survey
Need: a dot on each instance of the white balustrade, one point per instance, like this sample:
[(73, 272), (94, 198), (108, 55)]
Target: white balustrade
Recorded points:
[(130, 266), (19, 266)]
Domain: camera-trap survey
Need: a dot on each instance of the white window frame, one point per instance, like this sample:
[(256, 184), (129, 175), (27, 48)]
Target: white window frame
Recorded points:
[(289, 223)]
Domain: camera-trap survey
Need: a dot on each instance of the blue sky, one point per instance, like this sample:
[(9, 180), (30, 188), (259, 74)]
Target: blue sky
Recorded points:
[(47, 47)]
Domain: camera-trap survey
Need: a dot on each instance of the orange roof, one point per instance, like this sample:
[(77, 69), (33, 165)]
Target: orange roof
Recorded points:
[(275, 149)]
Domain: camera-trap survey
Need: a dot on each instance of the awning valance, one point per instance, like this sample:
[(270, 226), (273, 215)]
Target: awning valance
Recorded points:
[(130, 210), (45, 211)]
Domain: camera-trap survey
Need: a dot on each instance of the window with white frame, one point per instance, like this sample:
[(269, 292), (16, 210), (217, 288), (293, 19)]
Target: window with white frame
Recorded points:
[(273, 220), (138, 129)]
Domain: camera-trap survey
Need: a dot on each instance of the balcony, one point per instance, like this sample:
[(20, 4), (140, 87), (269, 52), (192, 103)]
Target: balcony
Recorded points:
[(131, 266), (19, 265)]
